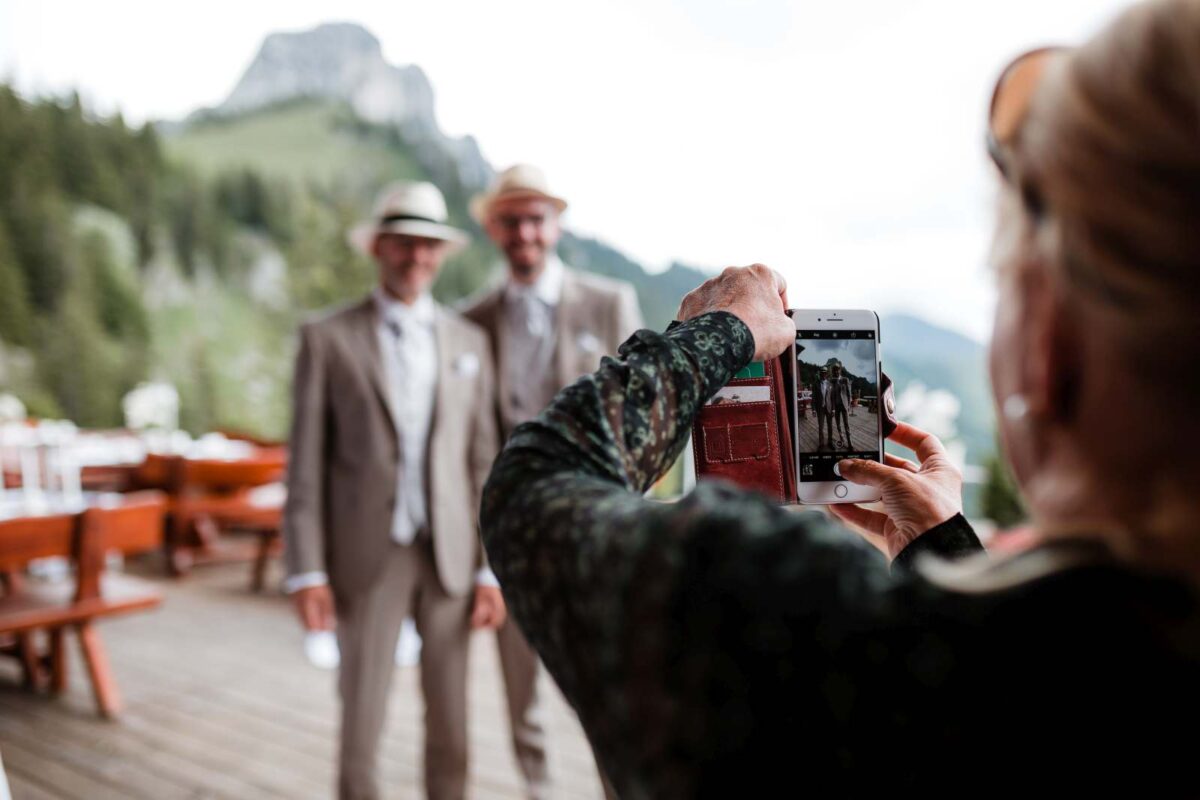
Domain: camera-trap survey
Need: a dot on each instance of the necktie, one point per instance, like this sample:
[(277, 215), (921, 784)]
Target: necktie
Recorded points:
[(404, 524), (532, 314), (529, 352)]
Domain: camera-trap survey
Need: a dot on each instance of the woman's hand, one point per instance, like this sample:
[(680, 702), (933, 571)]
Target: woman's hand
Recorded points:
[(757, 295), (915, 498)]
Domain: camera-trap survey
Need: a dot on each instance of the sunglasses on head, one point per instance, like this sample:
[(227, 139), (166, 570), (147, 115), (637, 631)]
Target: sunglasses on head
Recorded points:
[(1011, 100)]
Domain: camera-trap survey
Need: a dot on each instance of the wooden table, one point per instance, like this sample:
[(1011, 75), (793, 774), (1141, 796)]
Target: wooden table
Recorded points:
[(205, 496), (208, 496)]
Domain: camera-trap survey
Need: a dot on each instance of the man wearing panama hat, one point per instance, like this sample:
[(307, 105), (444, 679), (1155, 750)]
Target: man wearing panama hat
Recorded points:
[(548, 325), (393, 433)]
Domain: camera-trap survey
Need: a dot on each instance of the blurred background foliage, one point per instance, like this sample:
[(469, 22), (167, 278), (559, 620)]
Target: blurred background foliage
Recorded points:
[(127, 254), (189, 252)]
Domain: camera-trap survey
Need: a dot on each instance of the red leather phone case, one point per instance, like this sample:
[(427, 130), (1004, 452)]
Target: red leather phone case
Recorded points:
[(750, 443)]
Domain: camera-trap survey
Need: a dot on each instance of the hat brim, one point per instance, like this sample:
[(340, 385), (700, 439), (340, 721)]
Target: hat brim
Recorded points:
[(482, 203), (362, 236)]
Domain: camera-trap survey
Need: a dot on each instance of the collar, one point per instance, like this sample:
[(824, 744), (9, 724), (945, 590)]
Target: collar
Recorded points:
[(547, 288), (390, 309)]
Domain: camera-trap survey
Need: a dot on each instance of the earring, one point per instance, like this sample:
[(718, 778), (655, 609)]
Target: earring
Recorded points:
[(1016, 407)]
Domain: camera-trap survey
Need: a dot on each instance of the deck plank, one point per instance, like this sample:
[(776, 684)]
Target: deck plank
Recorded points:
[(219, 703)]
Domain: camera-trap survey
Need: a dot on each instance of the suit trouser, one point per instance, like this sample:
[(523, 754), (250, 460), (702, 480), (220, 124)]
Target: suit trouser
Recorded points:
[(368, 628), (824, 423), (519, 663), (843, 422)]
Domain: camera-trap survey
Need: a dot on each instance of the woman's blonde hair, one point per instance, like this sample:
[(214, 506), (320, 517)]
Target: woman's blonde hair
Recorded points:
[(1109, 160)]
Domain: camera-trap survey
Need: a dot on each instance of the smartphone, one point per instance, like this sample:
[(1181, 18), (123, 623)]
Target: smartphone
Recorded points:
[(836, 402)]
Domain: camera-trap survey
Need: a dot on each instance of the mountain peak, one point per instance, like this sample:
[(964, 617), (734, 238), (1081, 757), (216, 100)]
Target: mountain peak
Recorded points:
[(348, 38), (339, 60), (343, 61)]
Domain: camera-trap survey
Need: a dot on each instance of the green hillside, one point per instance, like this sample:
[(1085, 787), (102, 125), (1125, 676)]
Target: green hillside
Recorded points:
[(73, 328), (191, 257), (321, 145), (914, 350), (303, 141)]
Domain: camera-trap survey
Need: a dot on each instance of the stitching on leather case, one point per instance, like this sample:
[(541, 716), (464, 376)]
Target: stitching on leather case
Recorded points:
[(741, 404), (768, 380), (728, 431)]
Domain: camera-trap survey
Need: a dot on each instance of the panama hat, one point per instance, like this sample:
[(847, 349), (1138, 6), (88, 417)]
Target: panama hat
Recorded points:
[(518, 182), (415, 208)]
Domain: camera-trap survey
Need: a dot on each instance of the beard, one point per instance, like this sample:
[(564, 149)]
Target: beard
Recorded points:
[(526, 261)]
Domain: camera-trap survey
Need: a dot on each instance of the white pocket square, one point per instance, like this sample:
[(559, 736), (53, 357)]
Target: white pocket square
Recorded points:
[(588, 343), (466, 364)]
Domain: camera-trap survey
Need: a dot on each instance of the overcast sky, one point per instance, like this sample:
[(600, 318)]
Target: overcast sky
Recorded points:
[(838, 142), (857, 356)]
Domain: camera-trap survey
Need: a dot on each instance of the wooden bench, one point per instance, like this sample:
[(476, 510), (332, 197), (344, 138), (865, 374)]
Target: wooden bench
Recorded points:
[(134, 526)]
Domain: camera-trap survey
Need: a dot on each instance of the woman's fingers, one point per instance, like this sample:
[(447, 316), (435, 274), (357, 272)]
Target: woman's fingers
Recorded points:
[(900, 463), (859, 517), (867, 473), (923, 443)]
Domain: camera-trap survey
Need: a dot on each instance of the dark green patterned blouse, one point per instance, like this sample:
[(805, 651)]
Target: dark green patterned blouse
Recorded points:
[(723, 646)]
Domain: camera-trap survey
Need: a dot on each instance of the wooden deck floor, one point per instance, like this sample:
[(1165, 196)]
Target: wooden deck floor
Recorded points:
[(220, 703), (863, 430)]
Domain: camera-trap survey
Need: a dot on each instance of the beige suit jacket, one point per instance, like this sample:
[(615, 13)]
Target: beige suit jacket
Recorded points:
[(344, 458), (595, 316)]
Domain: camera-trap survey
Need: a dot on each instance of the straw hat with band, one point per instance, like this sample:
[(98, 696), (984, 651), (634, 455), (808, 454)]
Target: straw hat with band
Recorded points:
[(414, 208), (518, 182)]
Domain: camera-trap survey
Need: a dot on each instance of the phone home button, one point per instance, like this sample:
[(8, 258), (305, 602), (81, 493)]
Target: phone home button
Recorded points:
[(839, 491)]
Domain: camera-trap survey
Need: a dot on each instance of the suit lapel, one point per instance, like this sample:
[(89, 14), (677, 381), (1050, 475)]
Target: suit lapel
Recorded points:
[(366, 324), (447, 345), (565, 330), (493, 322)]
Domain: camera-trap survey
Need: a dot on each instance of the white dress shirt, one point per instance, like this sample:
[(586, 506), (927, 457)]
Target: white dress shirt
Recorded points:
[(408, 349), (530, 339), (408, 352)]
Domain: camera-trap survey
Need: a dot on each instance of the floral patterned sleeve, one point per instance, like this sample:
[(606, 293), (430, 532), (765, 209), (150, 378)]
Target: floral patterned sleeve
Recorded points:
[(664, 623)]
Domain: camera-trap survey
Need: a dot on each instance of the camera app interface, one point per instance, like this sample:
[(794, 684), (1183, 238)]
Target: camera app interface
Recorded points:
[(837, 394)]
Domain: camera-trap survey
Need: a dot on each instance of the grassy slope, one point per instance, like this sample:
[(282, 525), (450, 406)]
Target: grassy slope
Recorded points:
[(303, 140)]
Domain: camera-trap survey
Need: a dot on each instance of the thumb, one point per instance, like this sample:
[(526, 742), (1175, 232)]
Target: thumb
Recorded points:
[(862, 471)]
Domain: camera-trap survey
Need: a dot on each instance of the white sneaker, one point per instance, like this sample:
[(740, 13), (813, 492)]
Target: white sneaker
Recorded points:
[(408, 646), (321, 649)]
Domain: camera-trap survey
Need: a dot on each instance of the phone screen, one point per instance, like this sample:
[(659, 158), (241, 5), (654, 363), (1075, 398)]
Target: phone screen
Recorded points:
[(837, 400)]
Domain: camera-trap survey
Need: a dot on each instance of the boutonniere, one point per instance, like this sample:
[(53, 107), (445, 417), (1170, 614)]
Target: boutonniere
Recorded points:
[(588, 343), (467, 364)]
